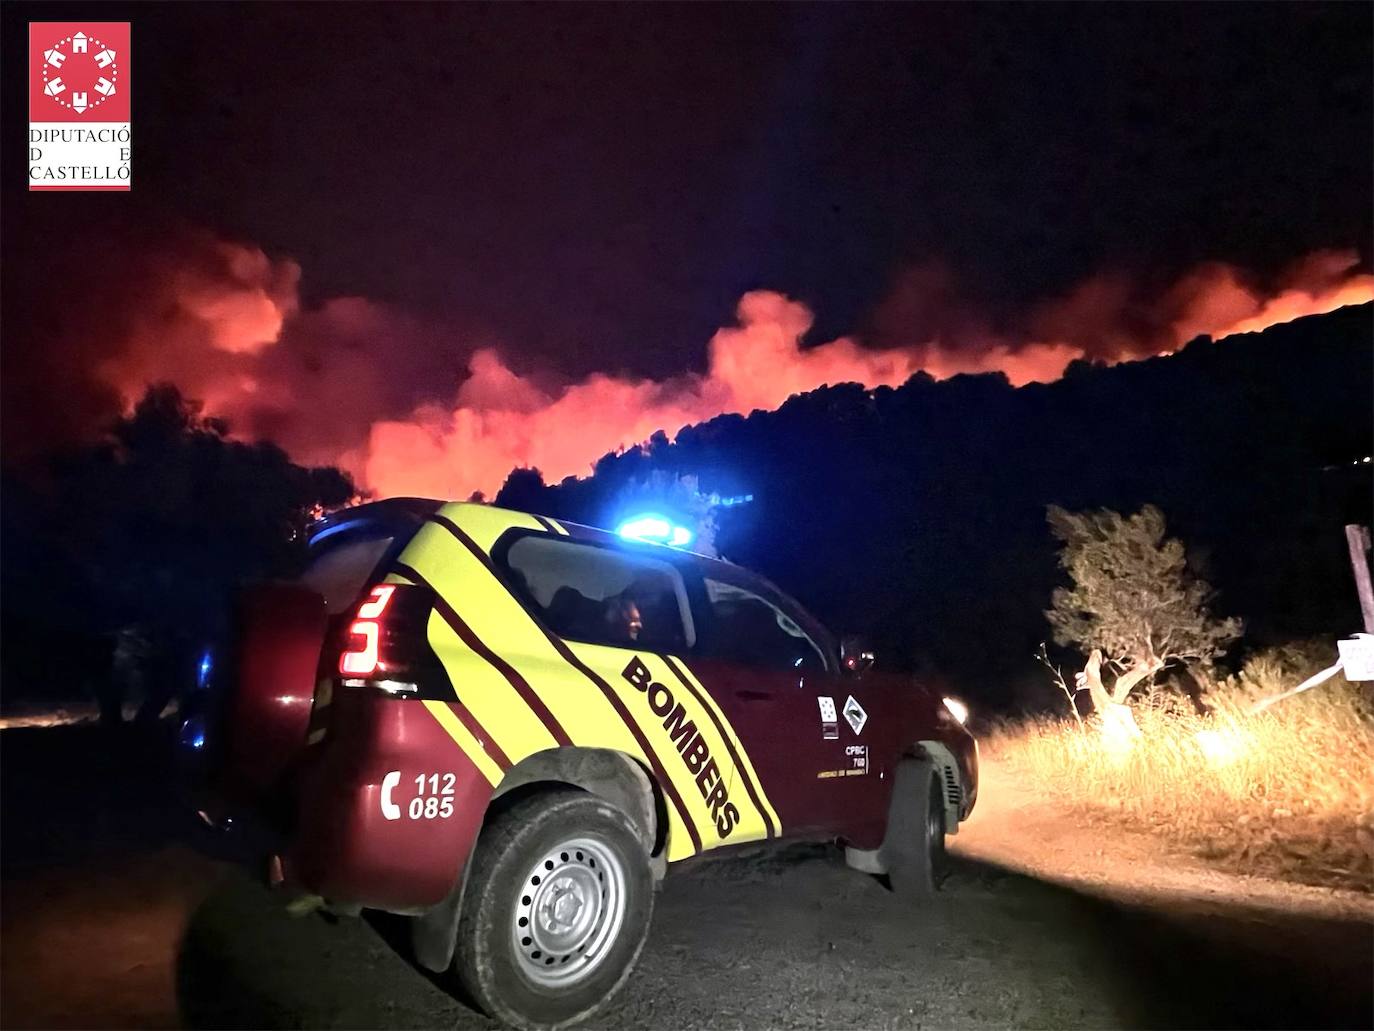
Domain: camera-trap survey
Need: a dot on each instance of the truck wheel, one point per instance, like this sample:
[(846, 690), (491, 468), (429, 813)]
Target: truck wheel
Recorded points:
[(556, 910), (914, 849)]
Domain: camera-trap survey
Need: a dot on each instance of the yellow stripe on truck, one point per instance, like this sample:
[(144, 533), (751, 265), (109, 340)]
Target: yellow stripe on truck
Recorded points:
[(754, 826), (685, 739), (688, 734), (486, 693), (471, 747), (485, 525), (504, 626)]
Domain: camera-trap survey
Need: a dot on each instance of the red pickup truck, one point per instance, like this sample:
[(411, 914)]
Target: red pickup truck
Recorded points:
[(507, 728)]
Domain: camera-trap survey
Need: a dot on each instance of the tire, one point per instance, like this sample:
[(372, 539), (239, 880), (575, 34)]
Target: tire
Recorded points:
[(556, 910), (914, 848)]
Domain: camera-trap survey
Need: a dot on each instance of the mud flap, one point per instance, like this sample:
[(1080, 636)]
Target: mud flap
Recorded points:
[(905, 840), (905, 854), (434, 934)]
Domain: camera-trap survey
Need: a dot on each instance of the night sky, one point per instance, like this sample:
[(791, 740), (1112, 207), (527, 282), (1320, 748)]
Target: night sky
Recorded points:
[(594, 187)]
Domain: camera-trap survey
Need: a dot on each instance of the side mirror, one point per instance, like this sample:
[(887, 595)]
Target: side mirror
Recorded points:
[(856, 657)]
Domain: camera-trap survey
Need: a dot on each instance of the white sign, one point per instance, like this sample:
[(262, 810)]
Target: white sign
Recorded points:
[(1357, 656)]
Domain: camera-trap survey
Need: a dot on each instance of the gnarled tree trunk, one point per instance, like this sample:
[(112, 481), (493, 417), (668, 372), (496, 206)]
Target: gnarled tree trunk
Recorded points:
[(1111, 707)]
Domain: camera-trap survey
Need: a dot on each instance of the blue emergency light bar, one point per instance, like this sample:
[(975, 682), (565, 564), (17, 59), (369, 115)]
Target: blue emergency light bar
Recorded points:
[(655, 529)]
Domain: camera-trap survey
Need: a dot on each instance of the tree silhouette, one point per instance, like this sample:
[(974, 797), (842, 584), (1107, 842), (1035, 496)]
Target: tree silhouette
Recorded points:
[(1133, 595), (155, 527), (1133, 599)]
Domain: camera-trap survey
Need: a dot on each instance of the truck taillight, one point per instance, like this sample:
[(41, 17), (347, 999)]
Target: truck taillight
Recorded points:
[(362, 654), (384, 645), (376, 602), (361, 659)]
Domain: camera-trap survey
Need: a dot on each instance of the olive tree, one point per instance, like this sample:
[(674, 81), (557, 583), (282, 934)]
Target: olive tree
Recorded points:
[(1133, 603)]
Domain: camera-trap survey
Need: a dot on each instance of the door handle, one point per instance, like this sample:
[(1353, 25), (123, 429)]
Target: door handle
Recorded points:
[(753, 696)]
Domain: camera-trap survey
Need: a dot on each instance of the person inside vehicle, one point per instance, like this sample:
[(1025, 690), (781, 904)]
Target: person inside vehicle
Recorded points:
[(624, 618)]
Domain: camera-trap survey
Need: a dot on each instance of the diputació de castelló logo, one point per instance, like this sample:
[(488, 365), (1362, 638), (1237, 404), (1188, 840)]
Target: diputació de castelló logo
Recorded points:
[(79, 132)]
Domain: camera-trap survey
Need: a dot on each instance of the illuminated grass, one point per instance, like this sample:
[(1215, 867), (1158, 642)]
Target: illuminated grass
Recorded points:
[(1288, 792)]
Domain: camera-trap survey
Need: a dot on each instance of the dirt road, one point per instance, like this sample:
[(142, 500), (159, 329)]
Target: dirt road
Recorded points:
[(1019, 829), (153, 934)]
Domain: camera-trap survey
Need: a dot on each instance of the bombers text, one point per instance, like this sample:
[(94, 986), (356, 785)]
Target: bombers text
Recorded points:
[(690, 745)]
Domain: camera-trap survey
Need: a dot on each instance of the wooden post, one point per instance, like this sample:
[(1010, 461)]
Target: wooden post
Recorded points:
[(1358, 539)]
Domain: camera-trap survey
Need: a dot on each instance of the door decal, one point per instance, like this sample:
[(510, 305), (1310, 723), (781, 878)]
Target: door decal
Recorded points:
[(856, 764), (830, 727), (854, 713)]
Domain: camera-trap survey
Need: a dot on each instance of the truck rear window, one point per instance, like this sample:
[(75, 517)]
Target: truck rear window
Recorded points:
[(340, 573), (350, 549)]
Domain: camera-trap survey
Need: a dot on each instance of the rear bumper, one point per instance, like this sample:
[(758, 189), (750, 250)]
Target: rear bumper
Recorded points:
[(366, 832)]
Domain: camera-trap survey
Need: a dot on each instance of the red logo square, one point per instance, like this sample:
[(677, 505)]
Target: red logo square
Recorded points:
[(79, 71)]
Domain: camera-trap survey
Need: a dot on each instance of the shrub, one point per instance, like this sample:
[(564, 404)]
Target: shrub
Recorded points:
[(1285, 792)]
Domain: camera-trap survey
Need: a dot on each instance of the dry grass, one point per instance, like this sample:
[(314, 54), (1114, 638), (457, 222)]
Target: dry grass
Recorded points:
[(1288, 792)]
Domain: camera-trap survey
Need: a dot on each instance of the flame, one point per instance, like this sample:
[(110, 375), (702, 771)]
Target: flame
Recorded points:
[(363, 385)]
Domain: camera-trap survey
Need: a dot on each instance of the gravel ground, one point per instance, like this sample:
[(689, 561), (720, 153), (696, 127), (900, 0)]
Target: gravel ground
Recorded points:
[(791, 938), (131, 928)]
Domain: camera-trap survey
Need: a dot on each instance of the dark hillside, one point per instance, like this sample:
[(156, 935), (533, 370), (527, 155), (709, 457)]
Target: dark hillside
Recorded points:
[(917, 514)]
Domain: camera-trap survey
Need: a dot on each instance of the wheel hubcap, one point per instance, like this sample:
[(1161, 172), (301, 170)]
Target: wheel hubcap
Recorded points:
[(569, 911)]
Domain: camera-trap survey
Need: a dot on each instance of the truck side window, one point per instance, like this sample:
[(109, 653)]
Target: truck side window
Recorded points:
[(600, 595), (752, 631)]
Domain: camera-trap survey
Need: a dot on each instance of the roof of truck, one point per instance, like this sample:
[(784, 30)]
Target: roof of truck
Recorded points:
[(412, 512)]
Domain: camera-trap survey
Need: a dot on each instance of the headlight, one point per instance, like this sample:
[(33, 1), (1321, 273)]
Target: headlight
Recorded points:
[(957, 709)]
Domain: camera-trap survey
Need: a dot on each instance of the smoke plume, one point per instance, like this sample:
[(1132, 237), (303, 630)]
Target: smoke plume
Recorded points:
[(415, 408), (499, 420)]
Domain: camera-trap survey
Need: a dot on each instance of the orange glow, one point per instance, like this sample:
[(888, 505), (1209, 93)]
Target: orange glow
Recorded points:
[(500, 420), (1219, 303), (1220, 747), (359, 384), (1295, 303)]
